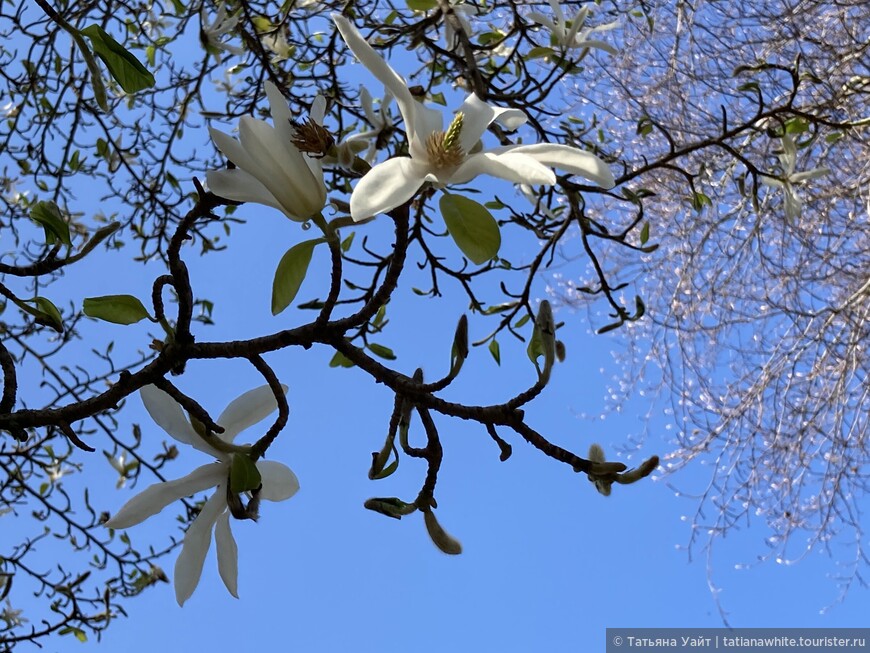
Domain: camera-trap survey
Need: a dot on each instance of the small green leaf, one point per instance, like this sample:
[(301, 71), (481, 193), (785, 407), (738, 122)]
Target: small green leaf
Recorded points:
[(244, 475), (472, 227), (125, 68), (380, 350), (118, 309), (347, 242), (538, 53), (340, 360), (495, 350), (51, 314), (49, 216), (422, 5), (290, 273), (644, 233)]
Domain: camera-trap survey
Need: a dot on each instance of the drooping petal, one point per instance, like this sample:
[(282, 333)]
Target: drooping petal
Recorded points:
[(569, 159), (770, 181), (279, 481), (517, 168), (239, 186), (386, 186), (155, 498), (247, 410), (169, 416), (227, 553), (188, 567), (541, 19), (600, 45), (793, 203)]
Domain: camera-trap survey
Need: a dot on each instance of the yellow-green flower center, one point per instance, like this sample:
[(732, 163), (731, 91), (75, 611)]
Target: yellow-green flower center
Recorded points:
[(443, 148)]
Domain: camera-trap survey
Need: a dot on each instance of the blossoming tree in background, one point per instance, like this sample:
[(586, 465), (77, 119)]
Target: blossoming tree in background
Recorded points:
[(269, 117)]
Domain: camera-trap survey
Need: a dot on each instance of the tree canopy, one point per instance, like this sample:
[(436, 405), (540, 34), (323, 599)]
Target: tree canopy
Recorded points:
[(696, 177)]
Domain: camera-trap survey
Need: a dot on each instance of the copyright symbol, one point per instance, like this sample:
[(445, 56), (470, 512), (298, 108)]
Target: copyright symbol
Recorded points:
[(617, 641)]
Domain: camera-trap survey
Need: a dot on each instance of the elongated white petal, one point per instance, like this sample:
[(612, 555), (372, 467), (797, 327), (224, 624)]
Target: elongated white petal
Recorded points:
[(169, 416), (771, 181), (517, 168), (541, 19), (232, 149), (793, 203), (227, 553), (277, 104), (569, 159), (576, 24), (188, 567), (557, 10), (815, 173), (240, 186), (247, 410), (594, 43), (789, 156), (155, 498), (386, 186), (318, 109), (279, 481)]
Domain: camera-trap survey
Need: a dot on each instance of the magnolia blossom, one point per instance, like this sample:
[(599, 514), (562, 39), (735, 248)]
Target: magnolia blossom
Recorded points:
[(790, 178), (312, 137), (462, 11), (568, 35), (223, 24), (11, 617), (279, 484), (452, 156), (381, 121), (270, 169)]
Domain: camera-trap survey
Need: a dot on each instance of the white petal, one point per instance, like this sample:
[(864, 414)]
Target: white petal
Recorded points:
[(232, 149), (479, 115), (227, 554), (386, 186), (541, 19), (379, 68), (517, 168), (770, 181), (569, 159), (318, 109), (594, 43), (247, 410), (240, 186), (793, 203), (188, 567), (277, 104), (155, 498), (576, 24), (557, 10), (365, 99), (279, 481), (169, 416), (815, 173)]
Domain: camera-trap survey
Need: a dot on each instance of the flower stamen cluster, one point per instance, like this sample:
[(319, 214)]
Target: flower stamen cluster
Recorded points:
[(312, 138), (445, 148)]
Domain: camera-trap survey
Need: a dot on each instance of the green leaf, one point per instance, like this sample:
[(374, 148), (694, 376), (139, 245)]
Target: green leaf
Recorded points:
[(125, 68), (472, 226), (347, 242), (422, 5), (539, 52), (495, 350), (49, 216), (290, 273), (380, 350), (50, 313), (244, 475), (340, 360), (118, 309), (644, 233)]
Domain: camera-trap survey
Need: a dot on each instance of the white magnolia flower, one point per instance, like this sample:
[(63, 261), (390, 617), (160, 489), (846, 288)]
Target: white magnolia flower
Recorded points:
[(277, 44), (462, 11), (341, 154), (789, 178), (279, 484), (381, 121), (568, 35), (450, 156), (270, 169), (223, 24), (11, 617)]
